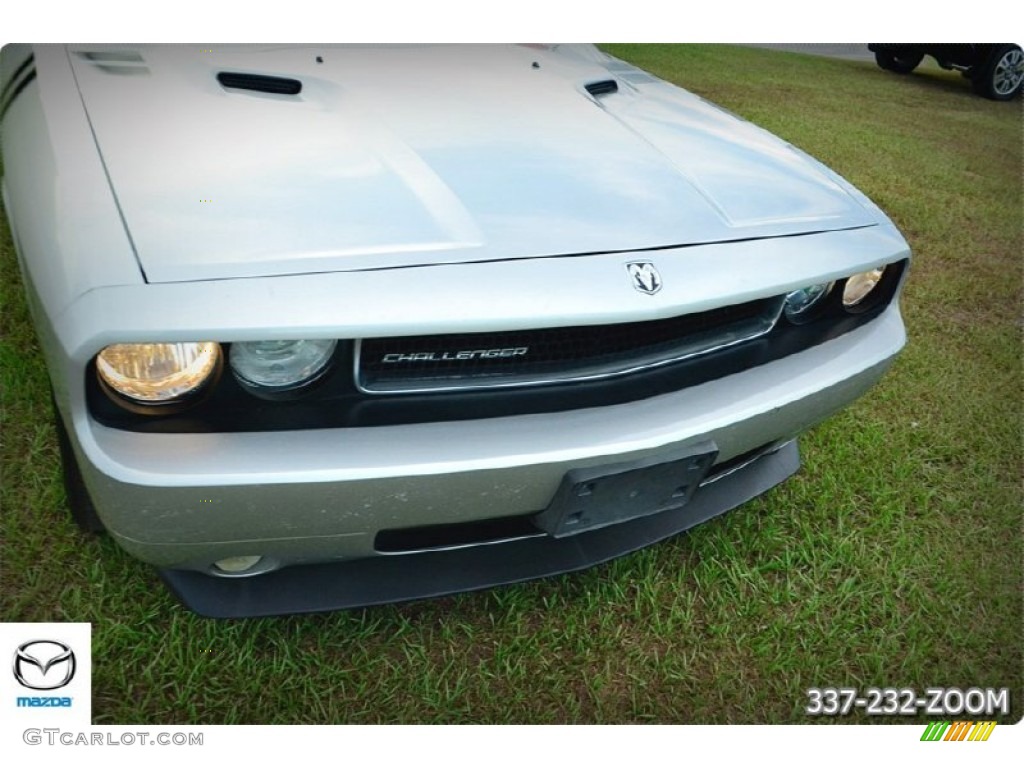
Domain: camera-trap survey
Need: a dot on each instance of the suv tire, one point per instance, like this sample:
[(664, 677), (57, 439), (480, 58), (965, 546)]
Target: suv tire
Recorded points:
[(1000, 76)]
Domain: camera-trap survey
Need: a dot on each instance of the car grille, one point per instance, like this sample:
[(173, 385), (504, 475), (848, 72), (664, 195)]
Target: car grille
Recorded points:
[(552, 355)]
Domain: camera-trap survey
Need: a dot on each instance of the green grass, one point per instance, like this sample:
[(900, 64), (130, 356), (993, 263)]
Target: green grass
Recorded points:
[(893, 559)]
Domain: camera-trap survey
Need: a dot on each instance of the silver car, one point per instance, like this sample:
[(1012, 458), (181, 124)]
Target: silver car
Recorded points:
[(336, 326)]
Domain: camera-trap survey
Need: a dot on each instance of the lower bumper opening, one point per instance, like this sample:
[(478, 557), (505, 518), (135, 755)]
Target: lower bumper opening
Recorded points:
[(397, 541), (455, 535)]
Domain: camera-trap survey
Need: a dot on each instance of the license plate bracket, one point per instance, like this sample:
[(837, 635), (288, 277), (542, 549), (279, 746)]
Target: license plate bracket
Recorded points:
[(596, 497)]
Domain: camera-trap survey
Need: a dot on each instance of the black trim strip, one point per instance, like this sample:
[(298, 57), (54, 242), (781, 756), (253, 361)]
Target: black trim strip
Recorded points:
[(17, 73), (5, 105)]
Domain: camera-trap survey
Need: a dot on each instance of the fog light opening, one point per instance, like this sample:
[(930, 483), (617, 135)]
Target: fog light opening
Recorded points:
[(239, 565)]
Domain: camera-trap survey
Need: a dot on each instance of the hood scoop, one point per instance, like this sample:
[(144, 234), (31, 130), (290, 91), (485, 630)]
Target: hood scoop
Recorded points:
[(602, 88), (245, 81)]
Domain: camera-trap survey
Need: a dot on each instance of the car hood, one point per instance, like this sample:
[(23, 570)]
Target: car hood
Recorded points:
[(402, 156)]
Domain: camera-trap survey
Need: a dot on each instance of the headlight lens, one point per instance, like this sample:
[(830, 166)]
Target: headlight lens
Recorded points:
[(281, 365), (799, 303), (860, 285), (152, 374)]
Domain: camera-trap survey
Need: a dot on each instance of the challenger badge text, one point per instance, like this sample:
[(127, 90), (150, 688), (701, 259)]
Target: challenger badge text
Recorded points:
[(466, 354)]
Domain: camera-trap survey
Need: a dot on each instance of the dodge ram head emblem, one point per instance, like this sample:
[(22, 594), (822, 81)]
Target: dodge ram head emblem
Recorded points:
[(645, 277), (44, 665)]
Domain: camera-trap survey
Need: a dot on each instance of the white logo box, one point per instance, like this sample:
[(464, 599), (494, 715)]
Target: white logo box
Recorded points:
[(46, 674)]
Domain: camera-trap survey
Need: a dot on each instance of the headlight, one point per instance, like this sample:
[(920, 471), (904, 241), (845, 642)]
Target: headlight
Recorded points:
[(280, 365), (860, 285), (154, 374), (800, 303)]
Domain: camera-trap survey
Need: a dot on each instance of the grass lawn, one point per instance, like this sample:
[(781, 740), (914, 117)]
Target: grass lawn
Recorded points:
[(894, 558)]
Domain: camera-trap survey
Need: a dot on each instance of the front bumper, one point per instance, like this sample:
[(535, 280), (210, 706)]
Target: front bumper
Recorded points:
[(298, 498)]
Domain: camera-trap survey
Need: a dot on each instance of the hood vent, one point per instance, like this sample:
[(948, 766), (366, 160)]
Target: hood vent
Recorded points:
[(262, 83), (602, 87), (112, 56), (121, 62)]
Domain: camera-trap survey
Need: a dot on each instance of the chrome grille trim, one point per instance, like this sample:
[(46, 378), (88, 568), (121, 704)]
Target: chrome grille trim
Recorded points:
[(760, 327)]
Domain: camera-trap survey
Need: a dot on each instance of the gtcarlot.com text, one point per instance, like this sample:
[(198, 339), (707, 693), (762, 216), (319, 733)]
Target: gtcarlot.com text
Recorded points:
[(56, 736)]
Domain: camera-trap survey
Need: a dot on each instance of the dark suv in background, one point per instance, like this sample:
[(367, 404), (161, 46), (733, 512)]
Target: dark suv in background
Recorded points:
[(996, 70)]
